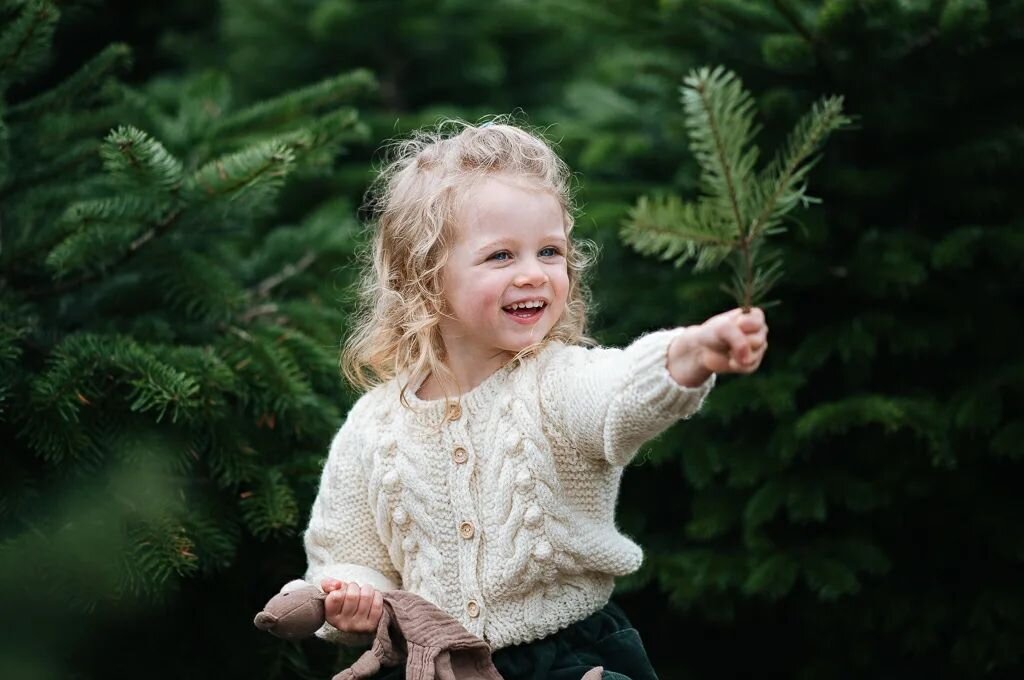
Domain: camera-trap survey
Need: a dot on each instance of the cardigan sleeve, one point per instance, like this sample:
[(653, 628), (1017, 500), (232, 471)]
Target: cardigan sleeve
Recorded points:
[(607, 402), (341, 540)]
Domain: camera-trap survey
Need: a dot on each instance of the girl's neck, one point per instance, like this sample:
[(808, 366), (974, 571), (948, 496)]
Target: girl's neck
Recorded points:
[(468, 375)]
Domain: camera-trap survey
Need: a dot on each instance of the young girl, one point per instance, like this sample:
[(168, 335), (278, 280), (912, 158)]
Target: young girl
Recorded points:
[(481, 468)]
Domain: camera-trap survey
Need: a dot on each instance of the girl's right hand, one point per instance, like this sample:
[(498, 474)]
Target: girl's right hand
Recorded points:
[(352, 608)]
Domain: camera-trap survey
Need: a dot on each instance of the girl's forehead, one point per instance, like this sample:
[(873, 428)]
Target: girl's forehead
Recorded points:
[(507, 205)]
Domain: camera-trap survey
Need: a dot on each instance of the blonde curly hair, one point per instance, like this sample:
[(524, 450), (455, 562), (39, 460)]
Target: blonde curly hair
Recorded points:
[(413, 202)]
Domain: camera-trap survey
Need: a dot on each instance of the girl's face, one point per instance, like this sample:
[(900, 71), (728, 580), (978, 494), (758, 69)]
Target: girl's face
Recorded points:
[(509, 249)]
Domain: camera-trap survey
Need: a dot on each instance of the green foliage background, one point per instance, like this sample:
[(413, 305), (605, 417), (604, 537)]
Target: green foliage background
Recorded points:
[(177, 229)]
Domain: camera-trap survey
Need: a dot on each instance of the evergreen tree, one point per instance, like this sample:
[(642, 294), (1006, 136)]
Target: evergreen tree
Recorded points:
[(168, 340), (861, 486)]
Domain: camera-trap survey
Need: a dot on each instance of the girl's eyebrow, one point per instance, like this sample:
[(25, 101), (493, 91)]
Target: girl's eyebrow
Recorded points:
[(557, 239)]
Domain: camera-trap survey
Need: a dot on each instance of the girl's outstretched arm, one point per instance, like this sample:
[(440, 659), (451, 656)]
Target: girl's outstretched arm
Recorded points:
[(607, 402)]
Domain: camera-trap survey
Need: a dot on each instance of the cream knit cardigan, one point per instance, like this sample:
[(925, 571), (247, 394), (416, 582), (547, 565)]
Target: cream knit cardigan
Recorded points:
[(505, 515)]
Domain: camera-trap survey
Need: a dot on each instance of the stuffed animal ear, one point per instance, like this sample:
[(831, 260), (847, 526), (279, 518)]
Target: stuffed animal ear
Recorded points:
[(294, 613), (295, 585)]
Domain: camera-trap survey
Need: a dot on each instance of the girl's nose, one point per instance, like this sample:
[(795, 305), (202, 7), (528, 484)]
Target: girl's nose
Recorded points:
[(531, 274)]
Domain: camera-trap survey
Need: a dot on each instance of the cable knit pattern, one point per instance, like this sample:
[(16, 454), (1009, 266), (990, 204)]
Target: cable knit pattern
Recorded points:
[(504, 516)]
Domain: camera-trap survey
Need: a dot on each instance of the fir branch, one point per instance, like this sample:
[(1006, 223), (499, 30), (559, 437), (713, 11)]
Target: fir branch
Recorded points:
[(68, 285), (738, 208), (263, 289), (99, 231), (925, 418), (200, 286), (667, 227), (160, 550), (85, 82), (270, 508), (719, 118), (230, 458), (246, 181), (25, 45), (86, 369), (266, 286), (72, 157), (786, 11), (270, 115), (782, 182), (140, 162)]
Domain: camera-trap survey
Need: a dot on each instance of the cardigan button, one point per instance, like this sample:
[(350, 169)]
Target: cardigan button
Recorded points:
[(459, 455), (473, 609), (466, 530), (454, 411)]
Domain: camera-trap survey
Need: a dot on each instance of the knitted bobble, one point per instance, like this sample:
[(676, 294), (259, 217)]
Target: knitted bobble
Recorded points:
[(533, 517), (390, 480), (524, 481), (400, 516)]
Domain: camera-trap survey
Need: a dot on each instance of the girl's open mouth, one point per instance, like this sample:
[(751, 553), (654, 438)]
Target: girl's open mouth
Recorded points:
[(525, 313)]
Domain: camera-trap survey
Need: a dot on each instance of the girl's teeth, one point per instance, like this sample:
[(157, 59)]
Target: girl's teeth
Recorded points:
[(525, 305)]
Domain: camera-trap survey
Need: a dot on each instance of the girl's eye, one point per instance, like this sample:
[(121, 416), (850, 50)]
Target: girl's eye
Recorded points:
[(498, 255), (550, 251)]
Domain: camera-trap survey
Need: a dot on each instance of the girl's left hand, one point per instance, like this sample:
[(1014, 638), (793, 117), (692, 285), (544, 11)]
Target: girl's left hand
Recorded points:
[(730, 342), (733, 341)]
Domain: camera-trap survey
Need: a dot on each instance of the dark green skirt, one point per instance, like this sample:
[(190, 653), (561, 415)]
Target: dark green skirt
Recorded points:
[(605, 638)]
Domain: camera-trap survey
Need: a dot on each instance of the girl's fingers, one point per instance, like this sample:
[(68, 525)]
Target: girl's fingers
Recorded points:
[(736, 341), (351, 605), (365, 601), (329, 584), (717, 362), (376, 608), (758, 341), (333, 602)]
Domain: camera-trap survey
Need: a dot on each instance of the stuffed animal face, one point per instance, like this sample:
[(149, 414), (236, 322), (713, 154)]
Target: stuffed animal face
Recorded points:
[(294, 613)]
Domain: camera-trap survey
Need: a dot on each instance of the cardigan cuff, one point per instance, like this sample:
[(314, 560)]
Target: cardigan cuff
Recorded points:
[(651, 399), (654, 385)]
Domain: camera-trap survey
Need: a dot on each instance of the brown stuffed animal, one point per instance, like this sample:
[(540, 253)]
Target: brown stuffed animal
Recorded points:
[(294, 613)]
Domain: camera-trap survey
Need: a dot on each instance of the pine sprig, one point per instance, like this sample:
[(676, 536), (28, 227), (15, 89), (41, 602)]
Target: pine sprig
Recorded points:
[(782, 185), (739, 207), (673, 230), (720, 123), (245, 182), (137, 161)]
